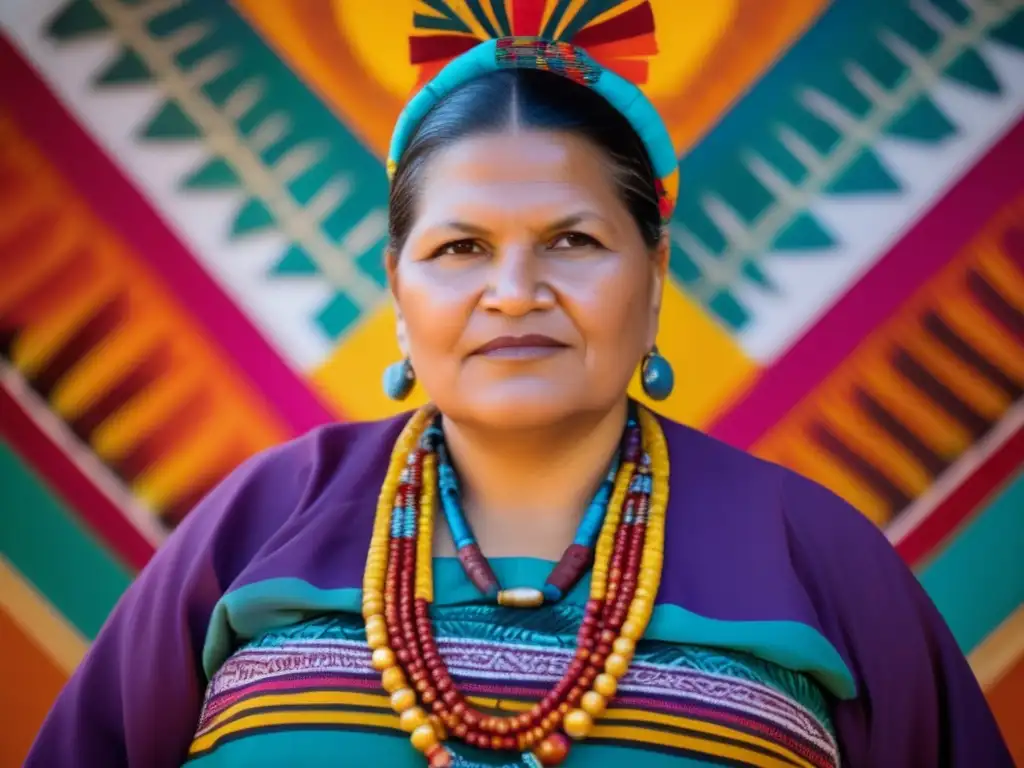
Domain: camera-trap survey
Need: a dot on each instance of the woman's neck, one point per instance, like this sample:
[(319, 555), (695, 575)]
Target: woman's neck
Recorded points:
[(524, 492)]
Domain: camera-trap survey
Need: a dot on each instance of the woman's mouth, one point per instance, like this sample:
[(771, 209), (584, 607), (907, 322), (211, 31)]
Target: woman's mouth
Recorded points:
[(520, 347)]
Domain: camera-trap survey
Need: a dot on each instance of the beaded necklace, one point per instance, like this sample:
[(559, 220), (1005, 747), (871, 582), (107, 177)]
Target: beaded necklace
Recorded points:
[(398, 591), (574, 561)]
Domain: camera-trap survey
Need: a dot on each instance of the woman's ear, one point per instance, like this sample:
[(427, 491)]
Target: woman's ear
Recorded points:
[(391, 268), (659, 259), (400, 332)]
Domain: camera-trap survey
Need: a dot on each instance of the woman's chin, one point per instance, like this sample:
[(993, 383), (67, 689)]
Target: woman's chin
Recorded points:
[(518, 404)]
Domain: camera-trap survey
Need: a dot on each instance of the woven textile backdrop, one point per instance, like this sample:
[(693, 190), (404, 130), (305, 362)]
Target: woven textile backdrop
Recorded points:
[(192, 217)]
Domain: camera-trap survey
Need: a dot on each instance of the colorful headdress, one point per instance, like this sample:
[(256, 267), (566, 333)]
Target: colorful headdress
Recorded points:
[(597, 45)]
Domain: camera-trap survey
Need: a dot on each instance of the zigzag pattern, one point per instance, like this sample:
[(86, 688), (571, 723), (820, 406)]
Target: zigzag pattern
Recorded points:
[(764, 234), (803, 184), (109, 350), (264, 134), (926, 387)]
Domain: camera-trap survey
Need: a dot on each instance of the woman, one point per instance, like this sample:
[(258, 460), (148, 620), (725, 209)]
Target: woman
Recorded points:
[(539, 572)]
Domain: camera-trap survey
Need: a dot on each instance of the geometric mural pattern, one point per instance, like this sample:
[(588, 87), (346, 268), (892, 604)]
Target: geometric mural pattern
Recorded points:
[(192, 222)]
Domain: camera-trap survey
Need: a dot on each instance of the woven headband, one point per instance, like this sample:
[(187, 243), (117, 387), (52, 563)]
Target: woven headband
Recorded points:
[(561, 58)]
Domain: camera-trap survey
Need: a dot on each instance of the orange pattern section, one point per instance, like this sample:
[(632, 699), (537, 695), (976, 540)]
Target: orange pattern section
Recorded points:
[(1006, 698), (93, 330), (708, 55), (31, 683), (924, 387)]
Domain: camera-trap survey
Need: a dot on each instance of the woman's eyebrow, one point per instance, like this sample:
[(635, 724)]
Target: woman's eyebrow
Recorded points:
[(566, 222)]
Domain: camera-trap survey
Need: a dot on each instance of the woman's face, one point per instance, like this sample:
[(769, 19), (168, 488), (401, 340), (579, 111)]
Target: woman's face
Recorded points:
[(525, 293)]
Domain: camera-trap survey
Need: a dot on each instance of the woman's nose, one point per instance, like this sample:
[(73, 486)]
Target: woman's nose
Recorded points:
[(516, 285)]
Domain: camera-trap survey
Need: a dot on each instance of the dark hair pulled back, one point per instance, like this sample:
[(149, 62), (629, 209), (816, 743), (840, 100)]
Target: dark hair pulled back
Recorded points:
[(531, 99)]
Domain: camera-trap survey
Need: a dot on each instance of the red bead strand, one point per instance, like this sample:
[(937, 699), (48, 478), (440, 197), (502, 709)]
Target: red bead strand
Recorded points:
[(411, 637)]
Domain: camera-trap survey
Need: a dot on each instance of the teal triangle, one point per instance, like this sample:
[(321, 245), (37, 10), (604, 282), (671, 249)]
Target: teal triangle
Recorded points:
[(865, 173), (78, 17), (128, 68), (728, 309), (921, 120), (171, 122), (803, 233), (336, 317), (295, 263), (216, 173), (753, 272), (1011, 31), (970, 69), (253, 216)]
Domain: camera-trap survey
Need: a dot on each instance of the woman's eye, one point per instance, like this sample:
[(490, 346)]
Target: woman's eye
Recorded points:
[(572, 241), (460, 248)]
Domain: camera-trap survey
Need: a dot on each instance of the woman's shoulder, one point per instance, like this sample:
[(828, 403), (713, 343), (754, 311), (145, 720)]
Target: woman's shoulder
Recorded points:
[(738, 481), (282, 483), (350, 448)]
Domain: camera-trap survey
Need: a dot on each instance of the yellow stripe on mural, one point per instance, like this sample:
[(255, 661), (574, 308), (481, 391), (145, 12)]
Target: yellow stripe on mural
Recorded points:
[(998, 653), (802, 456), (709, 54), (39, 620), (710, 367)]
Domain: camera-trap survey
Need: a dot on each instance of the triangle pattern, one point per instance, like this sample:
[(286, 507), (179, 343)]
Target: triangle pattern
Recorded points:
[(803, 233), (1011, 31), (295, 263), (922, 120), (865, 173), (253, 216), (128, 68), (216, 173), (79, 17), (171, 122), (970, 69)]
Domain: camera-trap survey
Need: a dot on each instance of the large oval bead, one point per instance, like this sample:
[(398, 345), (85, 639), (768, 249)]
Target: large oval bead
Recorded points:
[(521, 597)]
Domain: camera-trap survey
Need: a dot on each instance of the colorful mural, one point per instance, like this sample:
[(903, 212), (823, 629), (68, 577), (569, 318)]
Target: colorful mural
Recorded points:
[(192, 219)]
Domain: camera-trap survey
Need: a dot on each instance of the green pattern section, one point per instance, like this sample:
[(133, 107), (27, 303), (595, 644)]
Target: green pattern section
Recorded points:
[(54, 551), (921, 121), (270, 613), (126, 69), (865, 173), (991, 544), (555, 627), (971, 70), (254, 75), (254, 216), (851, 36), (246, 613), (77, 18), (173, 123), (314, 749), (216, 173), (295, 263)]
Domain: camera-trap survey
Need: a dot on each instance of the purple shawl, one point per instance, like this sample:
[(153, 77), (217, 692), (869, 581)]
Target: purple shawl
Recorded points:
[(746, 541)]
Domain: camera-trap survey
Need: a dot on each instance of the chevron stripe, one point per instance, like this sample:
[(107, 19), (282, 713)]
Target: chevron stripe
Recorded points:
[(921, 253), (270, 191), (87, 169), (98, 496), (863, 124), (924, 387), (88, 582), (151, 396), (39, 620)]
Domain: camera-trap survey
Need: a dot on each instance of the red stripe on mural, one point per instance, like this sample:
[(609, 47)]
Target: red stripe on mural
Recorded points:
[(84, 164), (962, 503), (67, 479), (918, 255)]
